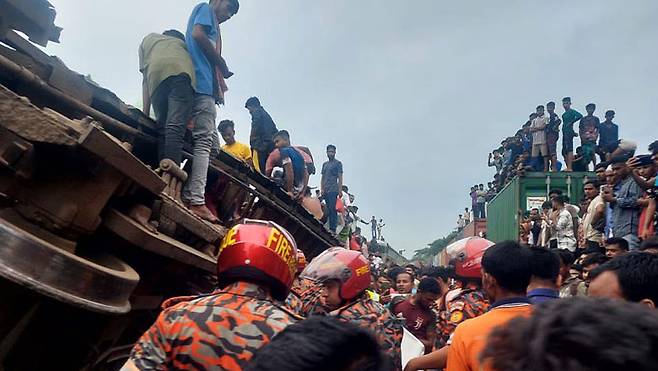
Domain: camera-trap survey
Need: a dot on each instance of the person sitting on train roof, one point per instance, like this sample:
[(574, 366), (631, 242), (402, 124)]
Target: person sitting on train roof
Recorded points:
[(294, 169), (236, 149)]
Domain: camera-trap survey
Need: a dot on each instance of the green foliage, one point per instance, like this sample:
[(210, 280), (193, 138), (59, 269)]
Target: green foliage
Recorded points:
[(435, 247)]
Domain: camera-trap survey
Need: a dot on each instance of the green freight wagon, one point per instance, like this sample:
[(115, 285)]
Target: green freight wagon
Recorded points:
[(525, 193)]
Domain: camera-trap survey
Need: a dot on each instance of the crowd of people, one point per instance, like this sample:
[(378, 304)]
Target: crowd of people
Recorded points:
[(274, 310), (185, 78)]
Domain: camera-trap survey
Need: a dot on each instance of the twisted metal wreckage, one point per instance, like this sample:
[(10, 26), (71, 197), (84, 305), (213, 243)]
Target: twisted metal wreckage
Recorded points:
[(92, 239)]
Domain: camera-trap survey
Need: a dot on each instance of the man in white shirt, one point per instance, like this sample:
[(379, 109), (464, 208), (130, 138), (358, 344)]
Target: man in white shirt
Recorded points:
[(562, 225), (594, 216), (538, 131)]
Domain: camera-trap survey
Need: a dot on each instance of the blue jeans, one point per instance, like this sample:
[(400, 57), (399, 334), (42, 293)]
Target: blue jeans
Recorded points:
[(633, 242), (203, 116), (332, 215)]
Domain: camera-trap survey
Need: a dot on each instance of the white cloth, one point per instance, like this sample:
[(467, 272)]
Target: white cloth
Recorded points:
[(539, 137), (590, 233), (564, 231)]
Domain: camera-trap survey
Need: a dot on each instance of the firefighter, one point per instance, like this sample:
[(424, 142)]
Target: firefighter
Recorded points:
[(223, 330), (345, 276)]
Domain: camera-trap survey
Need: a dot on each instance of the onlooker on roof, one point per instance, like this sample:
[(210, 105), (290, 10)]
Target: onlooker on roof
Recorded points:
[(495, 160), (274, 160), (481, 200), (294, 169), (168, 77), (633, 277), (557, 338), (538, 130), (236, 149), (201, 38), (569, 118), (625, 203), (615, 246), (331, 185), (589, 133), (545, 272), (609, 136), (467, 217), (552, 134), (594, 218), (263, 130)]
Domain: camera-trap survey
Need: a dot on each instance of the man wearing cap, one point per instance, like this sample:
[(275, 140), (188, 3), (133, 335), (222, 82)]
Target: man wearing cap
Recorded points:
[(608, 136), (262, 134), (569, 118)]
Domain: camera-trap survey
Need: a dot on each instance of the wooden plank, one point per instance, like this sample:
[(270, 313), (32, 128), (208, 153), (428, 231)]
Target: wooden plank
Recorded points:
[(98, 142), (159, 243), (184, 218)]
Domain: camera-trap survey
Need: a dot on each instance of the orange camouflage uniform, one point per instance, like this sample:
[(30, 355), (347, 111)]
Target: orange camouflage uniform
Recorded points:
[(374, 317), (469, 303), (221, 330)]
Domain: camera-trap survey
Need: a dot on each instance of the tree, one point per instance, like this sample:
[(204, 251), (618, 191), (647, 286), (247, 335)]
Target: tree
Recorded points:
[(435, 247)]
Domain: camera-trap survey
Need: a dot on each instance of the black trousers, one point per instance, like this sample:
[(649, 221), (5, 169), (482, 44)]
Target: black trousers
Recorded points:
[(172, 102)]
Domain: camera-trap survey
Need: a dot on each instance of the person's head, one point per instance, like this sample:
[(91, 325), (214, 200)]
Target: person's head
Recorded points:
[(540, 110), (506, 270), (252, 104), (320, 343), (566, 261), (282, 139), (404, 282), (496, 153), (591, 262), (632, 277), (331, 151), (653, 148), (260, 252), (410, 268), (559, 202), (600, 172), (619, 168), (224, 9), (534, 213), (566, 103), (609, 115), (481, 187), (545, 268), (591, 189), (428, 292), (615, 246), (610, 177), (383, 284), (554, 193), (579, 151), (226, 129), (175, 34), (574, 335), (466, 210), (650, 245), (546, 206), (550, 107), (590, 108), (440, 274)]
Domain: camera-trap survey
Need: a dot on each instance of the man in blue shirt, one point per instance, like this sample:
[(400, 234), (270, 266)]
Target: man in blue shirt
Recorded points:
[(201, 40), (294, 169), (625, 203), (545, 271)]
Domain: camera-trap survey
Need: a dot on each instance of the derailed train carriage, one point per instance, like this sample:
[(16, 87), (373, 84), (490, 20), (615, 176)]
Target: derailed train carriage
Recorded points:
[(93, 236)]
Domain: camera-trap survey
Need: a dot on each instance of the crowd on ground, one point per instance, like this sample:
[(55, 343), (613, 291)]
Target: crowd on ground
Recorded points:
[(185, 78), (274, 310)]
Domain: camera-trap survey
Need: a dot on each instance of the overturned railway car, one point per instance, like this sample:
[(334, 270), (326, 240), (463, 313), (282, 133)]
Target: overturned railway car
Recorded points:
[(93, 236)]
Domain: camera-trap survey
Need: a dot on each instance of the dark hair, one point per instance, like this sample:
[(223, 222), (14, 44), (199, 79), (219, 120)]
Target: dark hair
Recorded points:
[(321, 344), (560, 199), (175, 33), (555, 191), (225, 124), (547, 205), (590, 105), (621, 159), (566, 256), (545, 263), (551, 104), (331, 146), (637, 274), (618, 241), (601, 165), (566, 99), (653, 147), (609, 112), (233, 6), (430, 285), (650, 243), (441, 273), (594, 258), (509, 264), (577, 334), (393, 273), (283, 134), (594, 182), (252, 102), (540, 106), (403, 271)]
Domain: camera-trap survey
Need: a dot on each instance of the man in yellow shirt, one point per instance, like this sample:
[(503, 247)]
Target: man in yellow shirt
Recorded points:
[(505, 277), (236, 149)]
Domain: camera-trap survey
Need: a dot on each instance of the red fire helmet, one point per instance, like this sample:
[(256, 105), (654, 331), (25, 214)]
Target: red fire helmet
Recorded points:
[(466, 256), (348, 267), (301, 261), (261, 252)]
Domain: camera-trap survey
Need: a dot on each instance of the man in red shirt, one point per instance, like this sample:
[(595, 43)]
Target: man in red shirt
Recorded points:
[(419, 318)]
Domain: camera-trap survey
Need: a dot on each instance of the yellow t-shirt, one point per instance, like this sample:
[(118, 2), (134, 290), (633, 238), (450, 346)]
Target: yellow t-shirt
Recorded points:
[(470, 336), (238, 150)]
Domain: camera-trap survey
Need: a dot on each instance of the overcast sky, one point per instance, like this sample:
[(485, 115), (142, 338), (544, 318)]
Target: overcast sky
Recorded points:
[(414, 94)]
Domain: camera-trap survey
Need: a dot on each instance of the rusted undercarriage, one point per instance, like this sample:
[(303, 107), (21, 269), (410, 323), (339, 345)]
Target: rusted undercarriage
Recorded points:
[(93, 235)]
